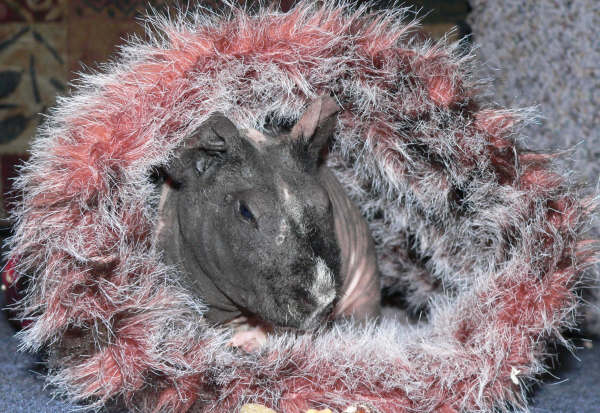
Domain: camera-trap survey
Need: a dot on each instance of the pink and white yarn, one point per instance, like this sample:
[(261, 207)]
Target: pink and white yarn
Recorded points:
[(485, 235)]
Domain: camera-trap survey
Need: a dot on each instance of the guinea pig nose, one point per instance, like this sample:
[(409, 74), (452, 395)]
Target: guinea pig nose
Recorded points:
[(304, 296)]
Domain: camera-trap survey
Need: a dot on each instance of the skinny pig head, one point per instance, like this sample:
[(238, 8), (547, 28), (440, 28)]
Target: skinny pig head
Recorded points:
[(246, 217)]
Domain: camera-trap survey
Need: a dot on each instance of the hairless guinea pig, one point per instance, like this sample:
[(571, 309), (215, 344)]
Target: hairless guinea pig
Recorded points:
[(264, 230)]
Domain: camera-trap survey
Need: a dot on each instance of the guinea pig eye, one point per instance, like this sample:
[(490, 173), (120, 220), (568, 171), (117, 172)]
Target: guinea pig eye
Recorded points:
[(245, 212)]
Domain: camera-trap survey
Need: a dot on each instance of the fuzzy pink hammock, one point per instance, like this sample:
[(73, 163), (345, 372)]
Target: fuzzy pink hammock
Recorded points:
[(483, 236)]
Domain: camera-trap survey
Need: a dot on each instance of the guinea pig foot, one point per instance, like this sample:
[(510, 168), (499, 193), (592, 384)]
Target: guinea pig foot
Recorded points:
[(248, 334), (250, 341)]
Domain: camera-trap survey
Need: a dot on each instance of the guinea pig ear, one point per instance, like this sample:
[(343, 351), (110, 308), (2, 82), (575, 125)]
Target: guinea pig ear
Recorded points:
[(316, 126), (216, 134), (214, 137)]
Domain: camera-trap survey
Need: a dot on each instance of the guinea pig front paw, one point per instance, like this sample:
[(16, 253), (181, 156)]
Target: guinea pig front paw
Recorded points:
[(249, 340)]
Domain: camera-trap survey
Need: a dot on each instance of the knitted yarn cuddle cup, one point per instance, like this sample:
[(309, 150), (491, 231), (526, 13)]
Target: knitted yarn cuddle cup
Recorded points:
[(482, 235)]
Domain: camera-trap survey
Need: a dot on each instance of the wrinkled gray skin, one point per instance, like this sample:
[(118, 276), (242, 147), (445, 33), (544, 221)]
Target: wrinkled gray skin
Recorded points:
[(263, 229)]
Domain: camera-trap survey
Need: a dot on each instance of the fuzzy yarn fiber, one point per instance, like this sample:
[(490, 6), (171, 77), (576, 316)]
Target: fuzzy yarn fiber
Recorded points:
[(546, 54), (484, 235)]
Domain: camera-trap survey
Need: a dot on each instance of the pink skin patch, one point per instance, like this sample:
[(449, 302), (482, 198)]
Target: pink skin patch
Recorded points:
[(250, 340), (248, 334)]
